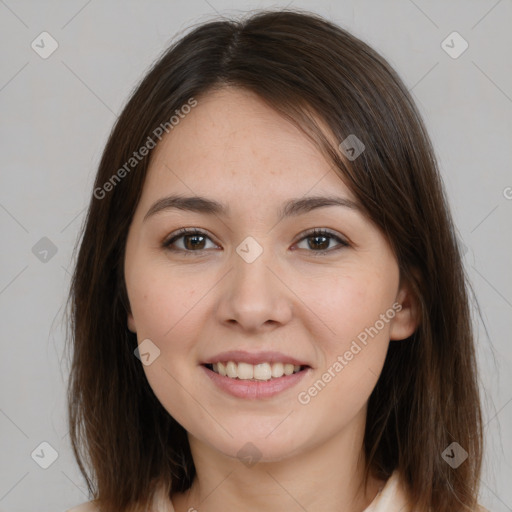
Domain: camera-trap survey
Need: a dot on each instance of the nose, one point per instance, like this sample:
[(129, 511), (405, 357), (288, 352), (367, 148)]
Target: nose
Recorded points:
[(253, 297)]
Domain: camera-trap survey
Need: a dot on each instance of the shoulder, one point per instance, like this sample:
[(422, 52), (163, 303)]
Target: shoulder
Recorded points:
[(161, 503), (392, 497)]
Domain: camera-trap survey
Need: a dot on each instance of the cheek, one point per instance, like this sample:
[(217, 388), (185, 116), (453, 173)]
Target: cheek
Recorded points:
[(161, 299), (348, 304), (165, 305), (355, 344)]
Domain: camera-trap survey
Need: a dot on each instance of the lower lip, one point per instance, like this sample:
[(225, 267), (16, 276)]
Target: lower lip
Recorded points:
[(254, 389)]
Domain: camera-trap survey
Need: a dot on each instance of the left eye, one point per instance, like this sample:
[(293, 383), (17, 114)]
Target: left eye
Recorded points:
[(319, 240)]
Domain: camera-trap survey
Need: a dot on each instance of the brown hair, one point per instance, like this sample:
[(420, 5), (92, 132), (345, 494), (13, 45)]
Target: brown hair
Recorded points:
[(305, 68)]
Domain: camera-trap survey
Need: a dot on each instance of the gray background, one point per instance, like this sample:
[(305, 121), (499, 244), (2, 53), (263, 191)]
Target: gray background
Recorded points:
[(56, 114)]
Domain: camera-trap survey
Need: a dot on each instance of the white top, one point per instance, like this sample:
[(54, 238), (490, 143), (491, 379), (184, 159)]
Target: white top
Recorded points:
[(390, 498)]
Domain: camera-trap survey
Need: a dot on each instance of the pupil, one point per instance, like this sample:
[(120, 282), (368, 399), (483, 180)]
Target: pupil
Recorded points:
[(324, 245), (188, 238)]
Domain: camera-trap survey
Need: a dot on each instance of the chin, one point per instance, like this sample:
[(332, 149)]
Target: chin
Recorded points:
[(257, 448)]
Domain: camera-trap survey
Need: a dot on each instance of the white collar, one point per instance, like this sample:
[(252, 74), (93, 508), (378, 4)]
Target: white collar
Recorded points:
[(390, 498)]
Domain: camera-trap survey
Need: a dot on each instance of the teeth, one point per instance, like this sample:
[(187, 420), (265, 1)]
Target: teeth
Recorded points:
[(262, 371), (277, 369), (246, 371), (232, 370), (222, 369)]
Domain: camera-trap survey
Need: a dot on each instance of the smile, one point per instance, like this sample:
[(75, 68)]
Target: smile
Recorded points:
[(261, 371), (262, 384)]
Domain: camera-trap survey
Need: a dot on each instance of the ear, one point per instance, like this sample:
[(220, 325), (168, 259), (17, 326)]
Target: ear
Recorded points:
[(131, 323), (407, 318)]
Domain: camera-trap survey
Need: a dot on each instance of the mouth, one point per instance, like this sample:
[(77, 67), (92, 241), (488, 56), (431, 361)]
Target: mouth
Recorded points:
[(254, 382), (265, 371)]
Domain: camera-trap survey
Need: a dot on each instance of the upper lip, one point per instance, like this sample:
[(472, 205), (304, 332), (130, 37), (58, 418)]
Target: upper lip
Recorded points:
[(241, 356)]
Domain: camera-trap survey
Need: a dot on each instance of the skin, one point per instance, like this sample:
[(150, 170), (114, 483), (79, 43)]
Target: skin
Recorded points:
[(235, 149)]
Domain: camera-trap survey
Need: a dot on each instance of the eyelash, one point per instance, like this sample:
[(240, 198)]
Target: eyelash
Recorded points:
[(309, 234)]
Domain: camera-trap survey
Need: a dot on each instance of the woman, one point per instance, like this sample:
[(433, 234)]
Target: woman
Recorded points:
[(269, 308)]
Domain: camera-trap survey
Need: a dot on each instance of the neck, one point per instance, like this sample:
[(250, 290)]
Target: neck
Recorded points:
[(327, 477)]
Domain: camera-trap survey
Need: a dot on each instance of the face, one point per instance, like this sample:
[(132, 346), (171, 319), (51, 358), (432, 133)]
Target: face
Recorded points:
[(312, 288)]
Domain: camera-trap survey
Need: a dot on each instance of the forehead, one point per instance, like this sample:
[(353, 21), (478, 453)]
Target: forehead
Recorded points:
[(232, 142)]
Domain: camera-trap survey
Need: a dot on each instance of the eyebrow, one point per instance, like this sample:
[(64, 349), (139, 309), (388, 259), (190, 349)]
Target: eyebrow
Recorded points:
[(292, 207)]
